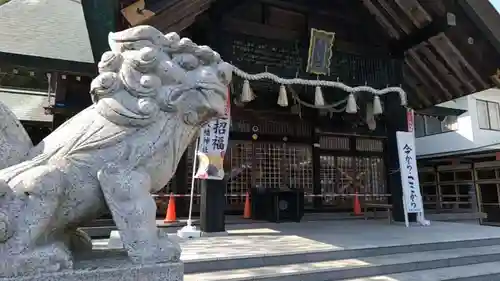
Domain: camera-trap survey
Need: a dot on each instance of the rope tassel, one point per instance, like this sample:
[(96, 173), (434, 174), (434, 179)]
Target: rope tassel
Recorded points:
[(377, 106), (351, 104), (282, 98), (318, 97), (246, 92), (402, 96)]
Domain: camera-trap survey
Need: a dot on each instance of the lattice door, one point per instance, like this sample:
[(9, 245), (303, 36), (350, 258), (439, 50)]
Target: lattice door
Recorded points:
[(371, 170), (371, 178), (343, 176), (267, 165), (299, 169), (238, 166), (328, 178), (269, 170)]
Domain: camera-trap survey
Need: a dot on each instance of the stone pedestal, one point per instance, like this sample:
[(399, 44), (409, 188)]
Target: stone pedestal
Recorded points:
[(110, 265)]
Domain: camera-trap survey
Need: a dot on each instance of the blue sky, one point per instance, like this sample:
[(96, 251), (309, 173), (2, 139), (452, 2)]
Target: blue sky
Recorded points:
[(496, 3)]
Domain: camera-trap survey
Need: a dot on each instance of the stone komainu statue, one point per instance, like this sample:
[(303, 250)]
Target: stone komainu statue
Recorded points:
[(152, 95)]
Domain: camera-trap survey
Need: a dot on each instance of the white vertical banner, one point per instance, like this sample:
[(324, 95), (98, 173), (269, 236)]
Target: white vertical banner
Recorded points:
[(412, 198), (212, 145)]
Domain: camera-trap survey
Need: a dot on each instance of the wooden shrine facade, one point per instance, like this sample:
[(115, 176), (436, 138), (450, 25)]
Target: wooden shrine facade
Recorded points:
[(436, 50), (329, 155), (424, 46), (329, 167)]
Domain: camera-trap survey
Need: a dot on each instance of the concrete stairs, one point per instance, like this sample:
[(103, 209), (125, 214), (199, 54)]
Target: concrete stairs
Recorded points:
[(470, 260), (102, 228)]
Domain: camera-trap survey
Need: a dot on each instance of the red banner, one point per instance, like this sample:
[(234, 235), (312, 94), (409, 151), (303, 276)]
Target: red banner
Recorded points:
[(410, 117)]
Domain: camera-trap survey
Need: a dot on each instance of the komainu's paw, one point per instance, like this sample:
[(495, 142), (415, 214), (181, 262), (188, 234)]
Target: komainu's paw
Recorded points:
[(161, 251), (5, 227), (4, 189), (6, 202), (170, 251), (78, 241)]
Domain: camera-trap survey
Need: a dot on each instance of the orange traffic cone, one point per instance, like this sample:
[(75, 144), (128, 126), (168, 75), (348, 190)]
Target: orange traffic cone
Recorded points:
[(357, 206), (171, 212), (247, 213)]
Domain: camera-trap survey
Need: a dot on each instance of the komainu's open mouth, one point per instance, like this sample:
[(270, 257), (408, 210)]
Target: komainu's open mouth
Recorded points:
[(216, 96)]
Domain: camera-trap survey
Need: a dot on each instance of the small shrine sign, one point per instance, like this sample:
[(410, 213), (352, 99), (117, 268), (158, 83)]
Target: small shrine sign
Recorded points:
[(320, 52)]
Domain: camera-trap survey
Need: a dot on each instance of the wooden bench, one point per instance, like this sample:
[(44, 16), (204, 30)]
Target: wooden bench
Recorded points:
[(374, 207)]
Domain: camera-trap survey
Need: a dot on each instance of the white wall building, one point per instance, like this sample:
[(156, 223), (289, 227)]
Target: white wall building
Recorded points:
[(476, 129)]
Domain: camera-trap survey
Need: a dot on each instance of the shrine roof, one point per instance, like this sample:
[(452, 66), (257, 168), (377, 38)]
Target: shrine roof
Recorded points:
[(44, 29), (449, 48)]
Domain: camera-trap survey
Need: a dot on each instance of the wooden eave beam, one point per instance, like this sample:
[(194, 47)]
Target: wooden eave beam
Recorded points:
[(456, 62), (465, 63), (403, 24), (136, 13), (381, 19), (305, 9), (260, 30), (425, 50), (437, 26), (430, 74), (414, 98), (410, 81), (188, 18), (180, 25), (177, 13), (434, 8), (417, 14), (445, 53), (418, 75)]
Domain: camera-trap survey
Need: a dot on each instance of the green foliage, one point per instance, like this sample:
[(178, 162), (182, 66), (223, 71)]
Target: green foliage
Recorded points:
[(3, 1)]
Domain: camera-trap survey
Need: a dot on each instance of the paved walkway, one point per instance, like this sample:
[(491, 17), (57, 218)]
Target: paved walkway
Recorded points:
[(264, 239)]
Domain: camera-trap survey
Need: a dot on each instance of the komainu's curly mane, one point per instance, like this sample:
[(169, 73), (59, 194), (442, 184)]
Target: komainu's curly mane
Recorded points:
[(146, 72)]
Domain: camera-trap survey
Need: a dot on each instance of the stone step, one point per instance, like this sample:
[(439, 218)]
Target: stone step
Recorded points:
[(475, 272), (254, 261), (339, 269)]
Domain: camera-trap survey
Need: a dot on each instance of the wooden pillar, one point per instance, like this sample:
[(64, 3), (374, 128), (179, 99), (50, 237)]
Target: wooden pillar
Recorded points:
[(396, 120), (59, 86), (474, 202), (212, 206), (475, 194), (439, 204), (181, 185)]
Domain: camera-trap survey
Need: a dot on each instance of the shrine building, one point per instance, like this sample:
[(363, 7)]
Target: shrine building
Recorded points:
[(436, 51)]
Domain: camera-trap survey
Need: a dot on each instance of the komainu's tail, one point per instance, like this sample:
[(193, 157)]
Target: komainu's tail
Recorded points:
[(15, 144)]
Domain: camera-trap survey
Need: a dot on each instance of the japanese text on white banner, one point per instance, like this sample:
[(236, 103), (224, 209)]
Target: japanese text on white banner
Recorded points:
[(212, 145)]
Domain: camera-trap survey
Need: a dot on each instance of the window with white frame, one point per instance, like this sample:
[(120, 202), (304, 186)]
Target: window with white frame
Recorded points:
[(488, 115), (430, 125)]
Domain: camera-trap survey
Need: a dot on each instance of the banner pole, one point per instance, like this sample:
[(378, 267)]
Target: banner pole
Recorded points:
[(191, 197)]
